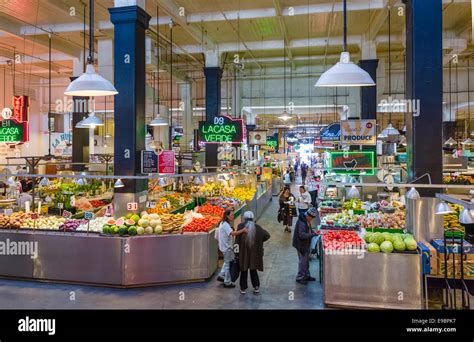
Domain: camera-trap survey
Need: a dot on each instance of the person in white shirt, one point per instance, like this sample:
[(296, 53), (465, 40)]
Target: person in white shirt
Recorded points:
[(303, 200), (287, 179), (224, 234)]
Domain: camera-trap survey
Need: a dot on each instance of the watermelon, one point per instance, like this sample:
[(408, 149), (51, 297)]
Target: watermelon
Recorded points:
[(387, 236), (120, 222), (128, 216), (130, 222), (377, 238), (106, 229), (135, 218), (367, 236), (111, 222), (122, 231), (132, 230), (373, 248)]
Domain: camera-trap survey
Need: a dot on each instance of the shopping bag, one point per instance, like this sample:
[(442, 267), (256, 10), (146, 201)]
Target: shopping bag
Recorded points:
[(292, 210), (234, 269)]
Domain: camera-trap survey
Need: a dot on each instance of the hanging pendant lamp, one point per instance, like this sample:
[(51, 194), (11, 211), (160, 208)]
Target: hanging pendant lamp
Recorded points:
[(284, 116), (91, 121), (450, 142), (90, 83), (468, 140), (345, 73), (158, 120)]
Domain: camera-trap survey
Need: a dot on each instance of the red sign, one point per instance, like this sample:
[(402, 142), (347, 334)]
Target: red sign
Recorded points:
[(21, 106), (166, 162)]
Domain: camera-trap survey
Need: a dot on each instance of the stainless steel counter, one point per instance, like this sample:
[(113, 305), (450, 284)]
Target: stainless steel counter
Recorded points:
[(376, 280), (112, 261)]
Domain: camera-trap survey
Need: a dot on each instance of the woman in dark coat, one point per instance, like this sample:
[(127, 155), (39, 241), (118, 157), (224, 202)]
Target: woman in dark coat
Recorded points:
[(251, 252), (287, 209)]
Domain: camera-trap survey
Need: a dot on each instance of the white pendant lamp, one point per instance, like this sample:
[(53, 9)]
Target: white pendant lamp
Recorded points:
[(443, 208), (158, 121), (389, 131), (90, 83), (91, 122), (466, 217), (450, 142), (353, 193), (119, 184), (285, 116), (413, 194), (468, 141), (44, 182), (345, 73)]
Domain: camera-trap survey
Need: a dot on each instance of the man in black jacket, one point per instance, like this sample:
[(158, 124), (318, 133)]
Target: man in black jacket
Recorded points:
[(301, 241)]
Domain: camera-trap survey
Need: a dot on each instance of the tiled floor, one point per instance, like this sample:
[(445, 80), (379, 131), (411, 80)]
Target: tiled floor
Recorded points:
[(278, 287)]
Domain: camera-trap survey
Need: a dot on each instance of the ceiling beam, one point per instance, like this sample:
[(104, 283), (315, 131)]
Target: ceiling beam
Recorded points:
[(173, 10), (281, 22)]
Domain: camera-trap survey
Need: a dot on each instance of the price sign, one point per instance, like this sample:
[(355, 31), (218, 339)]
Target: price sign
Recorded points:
[(351, 212), (181, 201), (165, 205), (60, 205), (34, 216), (73, 201), (88, 215), (151, 205), (131, 206), (48, 199), (67, 214)]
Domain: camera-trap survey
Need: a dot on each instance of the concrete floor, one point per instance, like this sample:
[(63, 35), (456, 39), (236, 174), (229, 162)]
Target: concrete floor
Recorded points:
[(278, 287)]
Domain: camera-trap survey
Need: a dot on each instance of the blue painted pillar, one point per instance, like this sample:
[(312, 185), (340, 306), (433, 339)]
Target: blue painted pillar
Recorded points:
[(368, 95), (130, 23), (424, 82), (213, 108)]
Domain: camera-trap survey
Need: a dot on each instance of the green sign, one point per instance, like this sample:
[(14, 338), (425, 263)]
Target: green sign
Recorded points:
[(222, 129), (272, 142), (353, 163), (12, 131)]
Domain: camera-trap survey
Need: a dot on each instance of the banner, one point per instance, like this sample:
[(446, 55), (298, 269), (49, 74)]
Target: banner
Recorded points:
[(358, 132), (222, 129)]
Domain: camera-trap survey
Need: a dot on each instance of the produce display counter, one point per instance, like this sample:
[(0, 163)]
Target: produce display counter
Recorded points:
[(372, 280), (259, 202), (112, 261)]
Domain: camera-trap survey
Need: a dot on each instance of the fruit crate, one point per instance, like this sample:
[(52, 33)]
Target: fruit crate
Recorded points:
[(385, 230), (332, 227)]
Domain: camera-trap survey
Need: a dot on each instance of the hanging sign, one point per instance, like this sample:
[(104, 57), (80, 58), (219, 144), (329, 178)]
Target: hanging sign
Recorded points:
[(14, 123), (358, 132), (222, 129), (257, 138), (149, 162), (166, 162), (353, 163), (272, 142), (331, 132), (61, 144)]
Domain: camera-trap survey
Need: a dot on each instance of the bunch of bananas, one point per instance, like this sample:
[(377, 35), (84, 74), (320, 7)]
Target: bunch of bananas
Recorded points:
[(241, 193), (451, 220)]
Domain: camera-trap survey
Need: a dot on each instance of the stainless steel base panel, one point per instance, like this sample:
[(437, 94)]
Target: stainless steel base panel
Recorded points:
[(112, 261), (376, 280)]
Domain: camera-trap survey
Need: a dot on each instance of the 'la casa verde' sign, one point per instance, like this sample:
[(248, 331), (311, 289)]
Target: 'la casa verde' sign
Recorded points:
[(222, 129), (14, 124)]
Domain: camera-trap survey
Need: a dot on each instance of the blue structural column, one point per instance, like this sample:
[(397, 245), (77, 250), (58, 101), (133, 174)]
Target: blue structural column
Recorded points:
[(213, 108), (130, 24), (424, 82), (368, 95)]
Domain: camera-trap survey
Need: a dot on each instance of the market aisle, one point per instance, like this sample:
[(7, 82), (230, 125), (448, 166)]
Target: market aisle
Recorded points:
[(278, 287)]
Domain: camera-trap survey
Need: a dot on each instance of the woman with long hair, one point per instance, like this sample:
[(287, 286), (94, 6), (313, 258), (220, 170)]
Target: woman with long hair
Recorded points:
[(250, 252), (224, 234), (287, 209)]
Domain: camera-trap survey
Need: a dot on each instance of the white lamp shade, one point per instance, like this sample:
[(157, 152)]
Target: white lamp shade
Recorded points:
[(90, 84), (11, 181), (119, 184), (285, 116), (158, 121), (450, 141), (197, 180), (468, 141), (466, 217), (161, 182), (90, 122), (443, 208), (413, 194), (389, 130), (353, 193), (345, 74), (44, 182)]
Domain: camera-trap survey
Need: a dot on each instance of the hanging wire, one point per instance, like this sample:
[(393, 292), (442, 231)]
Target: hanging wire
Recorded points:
[(457, 94), (390, 61), (450, 103), (49, 92), (84, 40), (468, 98), (171, 88), (157, 91)]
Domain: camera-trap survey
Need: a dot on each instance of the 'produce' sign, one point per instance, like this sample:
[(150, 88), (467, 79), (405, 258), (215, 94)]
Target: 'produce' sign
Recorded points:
[(353, 163), (222, 129), (358, 132)]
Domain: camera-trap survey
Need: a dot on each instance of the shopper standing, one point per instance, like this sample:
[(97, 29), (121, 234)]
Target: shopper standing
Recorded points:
[(287, 179), (224, 234), (303, 200), (304, 172), (312, 187), (250, 252), (287, 209), (302, 241)]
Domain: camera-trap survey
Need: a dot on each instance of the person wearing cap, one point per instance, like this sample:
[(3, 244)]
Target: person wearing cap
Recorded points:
[(302, 237)]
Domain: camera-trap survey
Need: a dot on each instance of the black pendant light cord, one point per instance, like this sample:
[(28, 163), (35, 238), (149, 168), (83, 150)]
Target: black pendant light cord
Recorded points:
[(84, 41), (284, 75), (345, 26), (390, 61), (157, 59), (450, 99), (457, 96), (171, 88), (90, 59), (49, 95), (468, 100)]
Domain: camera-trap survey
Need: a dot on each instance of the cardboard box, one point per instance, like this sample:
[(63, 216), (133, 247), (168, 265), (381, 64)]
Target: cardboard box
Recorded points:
[(429, 258), (468, 266), (455, 248)]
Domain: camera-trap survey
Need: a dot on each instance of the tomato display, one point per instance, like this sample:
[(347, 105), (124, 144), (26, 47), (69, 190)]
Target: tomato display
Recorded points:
[(201, 224), (211, 209), (341, 239)]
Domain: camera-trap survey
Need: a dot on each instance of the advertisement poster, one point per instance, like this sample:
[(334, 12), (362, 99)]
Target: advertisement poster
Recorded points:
[(166, 162), (358, 132)]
